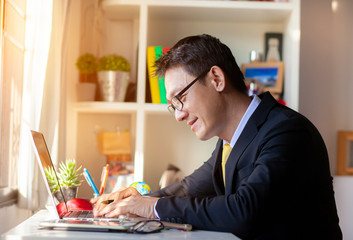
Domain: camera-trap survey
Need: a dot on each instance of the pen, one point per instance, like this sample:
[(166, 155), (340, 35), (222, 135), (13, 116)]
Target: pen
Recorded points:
[(90, 181), (108, 201), (104, 178), (185, 227)]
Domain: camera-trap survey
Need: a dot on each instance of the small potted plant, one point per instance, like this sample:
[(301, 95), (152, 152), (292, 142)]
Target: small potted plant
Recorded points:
[(86, 88), (52, 180), (113, 77), (68, 177)]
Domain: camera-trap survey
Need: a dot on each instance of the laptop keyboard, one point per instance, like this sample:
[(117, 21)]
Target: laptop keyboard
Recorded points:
[(81, 214), (88, 215)]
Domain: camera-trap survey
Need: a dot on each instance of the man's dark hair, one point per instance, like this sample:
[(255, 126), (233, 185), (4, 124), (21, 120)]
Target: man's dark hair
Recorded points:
[(197, 54)]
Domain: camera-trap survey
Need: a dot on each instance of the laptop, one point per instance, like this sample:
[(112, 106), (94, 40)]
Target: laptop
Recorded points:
[(77, 219), (81, 219)]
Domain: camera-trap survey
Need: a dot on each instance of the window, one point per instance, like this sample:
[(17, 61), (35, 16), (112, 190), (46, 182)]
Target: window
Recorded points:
[(11, 80)]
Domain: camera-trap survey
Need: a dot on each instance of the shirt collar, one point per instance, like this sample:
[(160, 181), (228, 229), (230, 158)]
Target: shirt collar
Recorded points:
[(251, 109)]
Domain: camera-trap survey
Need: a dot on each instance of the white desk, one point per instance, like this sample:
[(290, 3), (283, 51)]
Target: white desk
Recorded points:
[(28, 230)]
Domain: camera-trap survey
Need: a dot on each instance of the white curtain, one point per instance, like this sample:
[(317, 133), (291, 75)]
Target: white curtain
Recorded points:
[(41, 108)]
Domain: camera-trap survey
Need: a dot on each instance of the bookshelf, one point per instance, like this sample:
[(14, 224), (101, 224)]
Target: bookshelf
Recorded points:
[(135, 24)]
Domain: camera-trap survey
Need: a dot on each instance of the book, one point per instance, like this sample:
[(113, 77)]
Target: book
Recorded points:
[(162, 91), (153, 79), (165, 49)]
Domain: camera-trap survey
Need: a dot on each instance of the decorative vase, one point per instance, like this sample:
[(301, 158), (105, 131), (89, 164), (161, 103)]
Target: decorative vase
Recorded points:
[(113, 85), (68, 192), (86, 91)]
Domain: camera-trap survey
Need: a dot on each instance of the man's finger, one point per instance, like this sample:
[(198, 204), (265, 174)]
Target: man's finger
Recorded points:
[(94, 200), (106, 211)]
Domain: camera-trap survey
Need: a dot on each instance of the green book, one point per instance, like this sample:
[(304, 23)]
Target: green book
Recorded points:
[(162, 92)]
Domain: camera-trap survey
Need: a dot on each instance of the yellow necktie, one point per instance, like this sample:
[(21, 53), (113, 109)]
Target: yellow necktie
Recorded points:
[(226, 151)]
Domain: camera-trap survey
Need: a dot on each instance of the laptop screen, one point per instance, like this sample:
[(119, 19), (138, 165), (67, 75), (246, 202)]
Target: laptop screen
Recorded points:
[(47, 168)]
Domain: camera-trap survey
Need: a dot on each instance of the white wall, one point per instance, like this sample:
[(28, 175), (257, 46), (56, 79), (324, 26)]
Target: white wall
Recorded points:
[(344, 198), (326, 84)]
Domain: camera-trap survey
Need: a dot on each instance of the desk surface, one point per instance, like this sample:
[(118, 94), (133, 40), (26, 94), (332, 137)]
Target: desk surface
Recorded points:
[(28, 230)]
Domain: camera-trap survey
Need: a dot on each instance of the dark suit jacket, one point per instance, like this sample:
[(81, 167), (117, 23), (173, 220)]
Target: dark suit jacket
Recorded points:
[(278, 183)]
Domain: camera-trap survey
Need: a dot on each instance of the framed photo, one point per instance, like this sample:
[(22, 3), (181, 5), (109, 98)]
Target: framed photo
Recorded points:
[(345, 153), (268, 74), (273, 46)]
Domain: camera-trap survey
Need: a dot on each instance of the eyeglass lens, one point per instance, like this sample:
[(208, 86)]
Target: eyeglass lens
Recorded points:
[(148, 226), (176, 103)]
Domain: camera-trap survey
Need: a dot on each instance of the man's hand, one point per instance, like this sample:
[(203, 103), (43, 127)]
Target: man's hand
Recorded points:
[(136, 205), (116, 196)]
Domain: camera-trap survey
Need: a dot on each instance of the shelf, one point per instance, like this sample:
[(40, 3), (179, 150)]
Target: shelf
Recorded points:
[(156, 108), (106, 107), (221, 11), (200, 10), (119, 107)]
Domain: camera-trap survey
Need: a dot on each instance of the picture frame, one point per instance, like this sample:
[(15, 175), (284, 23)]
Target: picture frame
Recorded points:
[(278, 46), (268, 74), (345, 153)]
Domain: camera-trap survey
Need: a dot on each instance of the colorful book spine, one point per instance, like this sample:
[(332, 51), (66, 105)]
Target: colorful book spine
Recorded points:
[(153, 79), (165, 49), (162, 91)]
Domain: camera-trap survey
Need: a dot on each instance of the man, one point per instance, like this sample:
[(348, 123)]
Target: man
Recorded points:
[(275, 183)]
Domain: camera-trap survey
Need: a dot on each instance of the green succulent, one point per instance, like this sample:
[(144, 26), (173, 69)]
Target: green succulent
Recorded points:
[(87, 63), (113, 62), (68, 174), (51, 176)]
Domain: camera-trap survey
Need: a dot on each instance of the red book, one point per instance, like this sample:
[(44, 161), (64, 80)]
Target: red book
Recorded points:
[(165, 49)]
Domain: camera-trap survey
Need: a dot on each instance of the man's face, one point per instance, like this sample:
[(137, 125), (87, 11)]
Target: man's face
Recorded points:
[(201, 108)]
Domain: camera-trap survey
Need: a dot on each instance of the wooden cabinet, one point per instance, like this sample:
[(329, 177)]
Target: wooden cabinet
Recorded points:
[(127, 27)]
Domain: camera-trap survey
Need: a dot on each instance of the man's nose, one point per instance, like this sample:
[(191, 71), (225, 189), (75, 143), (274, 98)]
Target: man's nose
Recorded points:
[(180, 115)]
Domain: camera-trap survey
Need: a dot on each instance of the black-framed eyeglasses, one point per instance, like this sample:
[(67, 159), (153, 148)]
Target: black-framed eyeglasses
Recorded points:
[(147, 226), (175, 102)]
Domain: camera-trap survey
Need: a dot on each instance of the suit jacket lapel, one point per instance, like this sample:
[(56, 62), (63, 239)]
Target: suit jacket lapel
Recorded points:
[(244, 140), (217, 171), (250, 131)]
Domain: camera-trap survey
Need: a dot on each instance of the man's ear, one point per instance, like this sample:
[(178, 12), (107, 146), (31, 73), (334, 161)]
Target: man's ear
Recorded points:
[(218, 80)]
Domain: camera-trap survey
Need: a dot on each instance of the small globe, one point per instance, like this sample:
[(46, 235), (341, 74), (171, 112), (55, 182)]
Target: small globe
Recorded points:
[(141, 187)]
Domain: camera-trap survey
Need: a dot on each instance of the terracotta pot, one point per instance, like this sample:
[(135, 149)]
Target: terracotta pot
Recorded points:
[(86, 91)]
